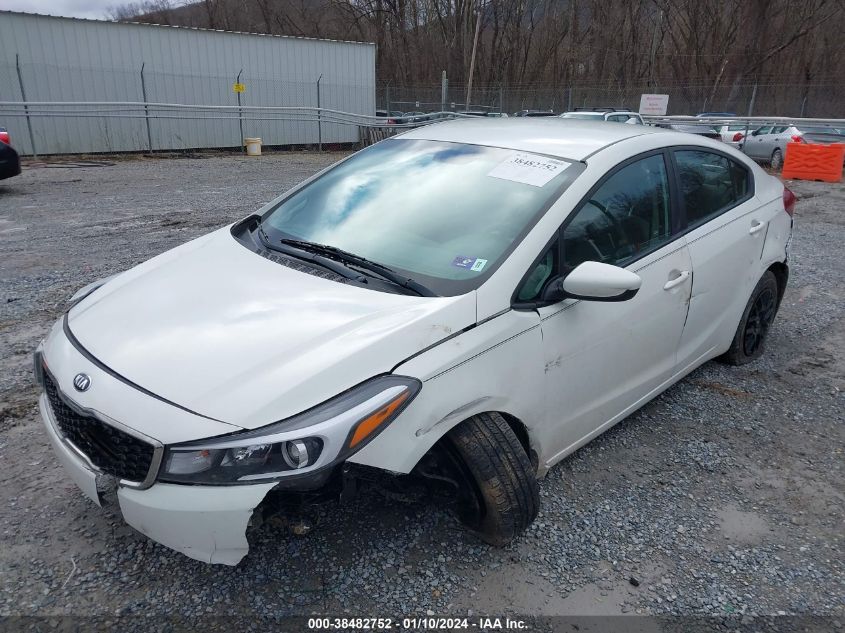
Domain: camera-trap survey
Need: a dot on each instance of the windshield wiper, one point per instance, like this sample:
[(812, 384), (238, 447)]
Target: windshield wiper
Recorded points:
[(310, 256), (361, 262)]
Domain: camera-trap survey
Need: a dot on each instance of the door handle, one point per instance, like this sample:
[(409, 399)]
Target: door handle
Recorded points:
[(677, 281), (756, 227)]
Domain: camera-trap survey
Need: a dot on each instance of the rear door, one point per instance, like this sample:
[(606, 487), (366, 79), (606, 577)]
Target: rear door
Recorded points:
[(725, 231)]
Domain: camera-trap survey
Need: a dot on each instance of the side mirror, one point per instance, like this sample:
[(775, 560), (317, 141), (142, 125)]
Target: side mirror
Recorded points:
[(594, 281)]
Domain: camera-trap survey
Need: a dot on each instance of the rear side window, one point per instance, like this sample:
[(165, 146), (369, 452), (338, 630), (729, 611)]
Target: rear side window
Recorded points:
[(710, 184), (625, 218)]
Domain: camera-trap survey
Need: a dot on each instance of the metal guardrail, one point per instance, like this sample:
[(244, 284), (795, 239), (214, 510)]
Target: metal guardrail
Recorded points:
[(319, 115), (152, 110), (201, 112), (752, 121), (144, 110)]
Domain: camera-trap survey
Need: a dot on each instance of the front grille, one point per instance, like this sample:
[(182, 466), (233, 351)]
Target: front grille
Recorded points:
[(109, 449)]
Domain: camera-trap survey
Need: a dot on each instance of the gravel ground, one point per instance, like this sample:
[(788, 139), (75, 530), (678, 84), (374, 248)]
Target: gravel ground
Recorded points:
[(723, 496)]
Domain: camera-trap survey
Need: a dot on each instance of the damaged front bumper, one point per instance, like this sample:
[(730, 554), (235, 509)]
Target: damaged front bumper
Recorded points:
[(207, 523)]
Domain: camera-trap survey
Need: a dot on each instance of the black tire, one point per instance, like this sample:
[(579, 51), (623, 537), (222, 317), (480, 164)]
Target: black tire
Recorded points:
[(749, 341), (777, 159), (500, 495)]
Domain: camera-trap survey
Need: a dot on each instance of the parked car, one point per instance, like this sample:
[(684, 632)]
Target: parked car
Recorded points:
[(767, 144), (414, 117), (734, 134), (606, 114), (392, 116), (10, 162), (534, 113), (469, 319)]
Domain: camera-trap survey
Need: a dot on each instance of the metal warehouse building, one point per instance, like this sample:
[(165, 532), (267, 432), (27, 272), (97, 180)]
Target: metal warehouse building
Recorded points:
[(45, 58)]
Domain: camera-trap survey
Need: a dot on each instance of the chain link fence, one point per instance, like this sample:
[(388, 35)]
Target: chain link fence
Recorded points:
[(819, 100), (52, 109)]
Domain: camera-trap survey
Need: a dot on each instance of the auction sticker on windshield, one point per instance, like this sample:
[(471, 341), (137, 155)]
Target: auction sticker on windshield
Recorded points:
[(528, 169)]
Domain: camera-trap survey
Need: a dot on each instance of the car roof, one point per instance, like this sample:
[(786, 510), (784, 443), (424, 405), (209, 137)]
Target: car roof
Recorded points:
[(575, 139)]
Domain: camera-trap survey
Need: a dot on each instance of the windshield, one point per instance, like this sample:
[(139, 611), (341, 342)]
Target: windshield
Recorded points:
[(444, 214)]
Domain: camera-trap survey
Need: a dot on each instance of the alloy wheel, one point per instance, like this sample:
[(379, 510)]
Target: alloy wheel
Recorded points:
[(758, 322)]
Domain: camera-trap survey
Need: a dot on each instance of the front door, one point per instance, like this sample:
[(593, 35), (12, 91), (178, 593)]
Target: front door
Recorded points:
[(604, 359)]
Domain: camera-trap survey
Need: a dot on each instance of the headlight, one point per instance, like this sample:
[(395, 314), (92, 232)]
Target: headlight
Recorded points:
[(319, 437), (83, 292)]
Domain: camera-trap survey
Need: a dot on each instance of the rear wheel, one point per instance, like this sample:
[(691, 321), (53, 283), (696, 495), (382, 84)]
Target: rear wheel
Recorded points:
[(777, 159), (499, 496), (750, 338)]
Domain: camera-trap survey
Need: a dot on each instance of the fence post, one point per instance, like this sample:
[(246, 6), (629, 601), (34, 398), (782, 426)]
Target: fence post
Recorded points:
[(25, 107), (319, 117), (387, 97), (443, 88), (146, 109), (569, 99), (803, 104), (751, 103), (240, 114)]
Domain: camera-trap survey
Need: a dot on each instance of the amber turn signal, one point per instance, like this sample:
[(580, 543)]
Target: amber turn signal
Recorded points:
[(368, 425)]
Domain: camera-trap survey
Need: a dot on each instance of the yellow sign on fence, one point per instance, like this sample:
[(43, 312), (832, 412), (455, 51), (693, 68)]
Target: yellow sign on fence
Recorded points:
[(238, 88)]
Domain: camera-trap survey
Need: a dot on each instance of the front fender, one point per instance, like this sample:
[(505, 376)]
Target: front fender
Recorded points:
[(495, 366)]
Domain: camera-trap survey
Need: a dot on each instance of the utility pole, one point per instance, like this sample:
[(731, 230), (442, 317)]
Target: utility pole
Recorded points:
[(472, 57)]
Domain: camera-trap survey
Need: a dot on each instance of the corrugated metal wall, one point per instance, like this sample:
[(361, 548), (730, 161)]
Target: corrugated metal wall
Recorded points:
[(66, 59)]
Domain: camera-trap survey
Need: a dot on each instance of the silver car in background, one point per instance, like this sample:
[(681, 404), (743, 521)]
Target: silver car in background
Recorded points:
[(767, 144)]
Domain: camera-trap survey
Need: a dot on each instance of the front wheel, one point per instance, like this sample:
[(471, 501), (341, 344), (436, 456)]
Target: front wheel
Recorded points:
[(749, 341), (499, 496), (777, 159)]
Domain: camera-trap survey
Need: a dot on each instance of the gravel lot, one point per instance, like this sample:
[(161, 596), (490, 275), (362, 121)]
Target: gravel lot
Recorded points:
[(723, 496)]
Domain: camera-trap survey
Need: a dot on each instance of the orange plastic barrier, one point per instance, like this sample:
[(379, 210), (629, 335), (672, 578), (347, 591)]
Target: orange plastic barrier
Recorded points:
[(808, 161)]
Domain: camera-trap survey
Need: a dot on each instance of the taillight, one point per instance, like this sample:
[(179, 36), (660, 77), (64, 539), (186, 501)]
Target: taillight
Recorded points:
[(738, 137), (789, 200), (391, 121), (797, 139), (4, 137)]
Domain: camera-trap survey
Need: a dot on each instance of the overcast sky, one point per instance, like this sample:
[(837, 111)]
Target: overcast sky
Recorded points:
[(72, 8)]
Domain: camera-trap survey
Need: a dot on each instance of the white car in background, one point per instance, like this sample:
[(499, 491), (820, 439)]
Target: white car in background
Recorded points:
[(606, 114), (734, 134), (470, 302)]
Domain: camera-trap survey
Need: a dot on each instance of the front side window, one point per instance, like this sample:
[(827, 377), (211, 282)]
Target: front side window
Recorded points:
[(444, 214), (628, 216), (532, 286), (710, 184)]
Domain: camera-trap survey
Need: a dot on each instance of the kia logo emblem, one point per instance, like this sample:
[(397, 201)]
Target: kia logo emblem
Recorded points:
[(81, 382)]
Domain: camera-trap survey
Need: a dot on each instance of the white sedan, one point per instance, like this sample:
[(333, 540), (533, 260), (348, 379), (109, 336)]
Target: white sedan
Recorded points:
[(470, 302)]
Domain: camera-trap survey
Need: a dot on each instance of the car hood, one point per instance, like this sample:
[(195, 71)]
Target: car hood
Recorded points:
[(230, 335)]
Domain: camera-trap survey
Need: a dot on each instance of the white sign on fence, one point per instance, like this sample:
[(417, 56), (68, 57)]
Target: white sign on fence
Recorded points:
[(654, 104)]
